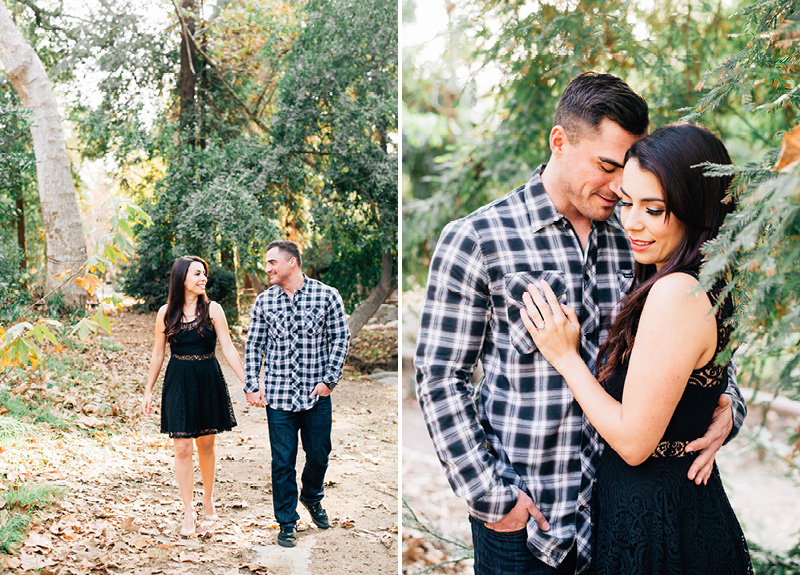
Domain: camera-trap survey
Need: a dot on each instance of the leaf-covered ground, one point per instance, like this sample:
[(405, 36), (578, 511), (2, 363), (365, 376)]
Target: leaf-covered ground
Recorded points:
[(121, 511)]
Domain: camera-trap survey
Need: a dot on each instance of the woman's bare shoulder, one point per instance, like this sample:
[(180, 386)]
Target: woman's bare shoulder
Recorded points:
[(679, 295)]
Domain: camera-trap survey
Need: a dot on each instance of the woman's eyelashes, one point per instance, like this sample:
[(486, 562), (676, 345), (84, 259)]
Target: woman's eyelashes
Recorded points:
[(649, 211)]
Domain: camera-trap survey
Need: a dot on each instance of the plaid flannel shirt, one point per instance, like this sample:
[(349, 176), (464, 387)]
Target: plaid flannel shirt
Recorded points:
[(521, 427), (303, 341)]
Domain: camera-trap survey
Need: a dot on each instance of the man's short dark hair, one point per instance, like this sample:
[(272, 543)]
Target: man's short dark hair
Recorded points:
[(289, 248), (591, 97)]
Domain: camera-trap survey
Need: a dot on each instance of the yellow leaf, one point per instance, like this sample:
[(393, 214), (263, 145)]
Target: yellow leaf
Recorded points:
[(89, 282), (60, 276)]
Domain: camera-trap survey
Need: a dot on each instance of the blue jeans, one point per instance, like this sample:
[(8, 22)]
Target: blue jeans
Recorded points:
[(507, 553), (314, 426)]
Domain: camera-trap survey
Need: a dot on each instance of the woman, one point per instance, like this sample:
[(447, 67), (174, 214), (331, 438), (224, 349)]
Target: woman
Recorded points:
[(194, 401), (659, 382)]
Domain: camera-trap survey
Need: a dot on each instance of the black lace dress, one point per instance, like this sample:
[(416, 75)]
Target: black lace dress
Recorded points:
[(195, 399), (651, 519)]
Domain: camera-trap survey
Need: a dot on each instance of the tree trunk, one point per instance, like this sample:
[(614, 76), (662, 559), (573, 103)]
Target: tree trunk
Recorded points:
[(66, 244), (187, 120), (258, 287), (369, 306), (228, 261), (23, 263)]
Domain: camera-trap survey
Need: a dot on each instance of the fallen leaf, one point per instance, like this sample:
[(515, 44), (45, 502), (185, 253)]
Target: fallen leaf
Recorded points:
[(36, 540), (89, 421), (189, 558), (30, 562), (129, 524), (10, 562)]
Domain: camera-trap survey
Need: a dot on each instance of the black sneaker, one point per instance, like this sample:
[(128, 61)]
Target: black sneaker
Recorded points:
[(288, 536), (318, 515)]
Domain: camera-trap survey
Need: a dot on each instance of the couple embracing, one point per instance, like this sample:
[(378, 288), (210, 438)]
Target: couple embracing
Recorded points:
[(589, 444), (298, 331)]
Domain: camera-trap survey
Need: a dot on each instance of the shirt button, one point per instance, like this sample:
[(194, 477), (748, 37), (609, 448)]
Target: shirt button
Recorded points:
[(581, 507)]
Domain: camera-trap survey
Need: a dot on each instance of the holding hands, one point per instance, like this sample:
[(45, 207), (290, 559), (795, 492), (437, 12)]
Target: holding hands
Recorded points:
[(256, 399), (553, 326)]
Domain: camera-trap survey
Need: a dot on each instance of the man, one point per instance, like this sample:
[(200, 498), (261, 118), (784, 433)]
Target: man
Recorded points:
[(518, 448), (298, 326)]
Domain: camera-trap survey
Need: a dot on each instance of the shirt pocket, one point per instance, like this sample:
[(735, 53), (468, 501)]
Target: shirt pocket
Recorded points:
[(516, 284), (313, 321), (611, 289), (276, 327)]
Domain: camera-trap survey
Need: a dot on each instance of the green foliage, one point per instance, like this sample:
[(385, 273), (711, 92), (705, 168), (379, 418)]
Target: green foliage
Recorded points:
[(758, 246), (349, 265), (476, 121), (20, 409), (110, 345), (222, 289), (10, 272), (767, 562), (11, 427), (759, 243), (20, 505), (332, 133), (17, 185), (237, 179), (21, 343), (34, 496), (209, 200), (13, 529)]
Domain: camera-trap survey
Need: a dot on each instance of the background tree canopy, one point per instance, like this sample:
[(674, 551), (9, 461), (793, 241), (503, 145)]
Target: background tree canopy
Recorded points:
[(232, 125), (729, 65)]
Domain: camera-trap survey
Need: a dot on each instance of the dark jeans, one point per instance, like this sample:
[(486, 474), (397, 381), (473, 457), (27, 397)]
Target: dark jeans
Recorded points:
[(499, 553), (314, 426)]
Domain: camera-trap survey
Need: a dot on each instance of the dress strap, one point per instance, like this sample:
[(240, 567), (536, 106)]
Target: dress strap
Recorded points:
[(692, 273)]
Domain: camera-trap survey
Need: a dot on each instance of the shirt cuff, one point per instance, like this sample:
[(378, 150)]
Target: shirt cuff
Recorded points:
[(494, 505)]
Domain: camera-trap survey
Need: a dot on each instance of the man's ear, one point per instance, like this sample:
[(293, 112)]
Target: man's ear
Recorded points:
[(558, 140)]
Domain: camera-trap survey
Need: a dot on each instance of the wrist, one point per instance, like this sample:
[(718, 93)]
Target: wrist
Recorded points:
[(567, 362)]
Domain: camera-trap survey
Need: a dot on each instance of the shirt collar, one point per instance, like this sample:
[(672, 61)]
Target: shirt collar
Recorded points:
[(279, 291), (541, 210)]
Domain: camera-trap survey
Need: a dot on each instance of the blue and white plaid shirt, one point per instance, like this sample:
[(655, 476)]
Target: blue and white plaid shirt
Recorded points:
[(303, 341), (521, 428)]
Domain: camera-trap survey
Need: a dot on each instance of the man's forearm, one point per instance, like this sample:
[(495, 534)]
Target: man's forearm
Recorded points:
[(738, 404), (460, 444)]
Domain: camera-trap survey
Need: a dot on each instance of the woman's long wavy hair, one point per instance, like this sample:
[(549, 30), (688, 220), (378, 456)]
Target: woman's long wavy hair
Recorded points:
[(177, 292), (672, 154)]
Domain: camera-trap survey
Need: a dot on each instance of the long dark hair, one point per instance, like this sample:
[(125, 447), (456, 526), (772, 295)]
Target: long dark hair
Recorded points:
[(175, 300), (672, 154)]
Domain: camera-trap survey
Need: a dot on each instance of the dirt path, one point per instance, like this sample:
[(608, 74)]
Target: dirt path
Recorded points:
[(121, 512)]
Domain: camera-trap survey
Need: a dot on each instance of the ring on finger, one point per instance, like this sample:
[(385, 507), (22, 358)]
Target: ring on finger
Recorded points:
[(540, 326)]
